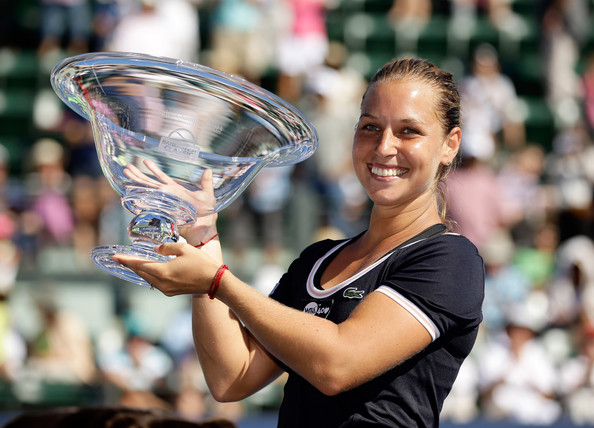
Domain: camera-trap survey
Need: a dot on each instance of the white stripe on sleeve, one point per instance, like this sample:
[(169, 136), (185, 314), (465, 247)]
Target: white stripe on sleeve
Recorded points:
[(412, 309)]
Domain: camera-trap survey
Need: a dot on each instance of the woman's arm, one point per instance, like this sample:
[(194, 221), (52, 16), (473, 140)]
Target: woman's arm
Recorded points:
[(235, 364), (224, 347), (378, 335), (240, 335)]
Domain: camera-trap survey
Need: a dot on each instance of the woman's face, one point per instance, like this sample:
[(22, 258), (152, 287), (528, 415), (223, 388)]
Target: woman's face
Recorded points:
[(399, 143)]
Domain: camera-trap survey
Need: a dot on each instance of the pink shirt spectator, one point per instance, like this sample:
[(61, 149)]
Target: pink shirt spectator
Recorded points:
[(476, 203), (309, 17)]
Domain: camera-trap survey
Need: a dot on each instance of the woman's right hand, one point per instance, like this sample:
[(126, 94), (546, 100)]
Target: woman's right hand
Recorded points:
[(189, 272)]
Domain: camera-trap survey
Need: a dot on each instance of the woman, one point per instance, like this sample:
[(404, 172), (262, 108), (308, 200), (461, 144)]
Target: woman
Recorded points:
[(396, 308)]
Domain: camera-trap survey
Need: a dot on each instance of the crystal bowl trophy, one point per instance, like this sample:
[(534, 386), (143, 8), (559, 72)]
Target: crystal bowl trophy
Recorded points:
[(158, 116)]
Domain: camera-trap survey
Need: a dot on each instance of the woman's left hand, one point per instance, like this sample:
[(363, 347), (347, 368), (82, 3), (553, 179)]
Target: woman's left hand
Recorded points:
[(190, 272), (203, 200)]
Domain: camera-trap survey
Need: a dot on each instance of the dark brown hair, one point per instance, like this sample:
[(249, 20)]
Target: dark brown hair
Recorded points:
[(425, 71)]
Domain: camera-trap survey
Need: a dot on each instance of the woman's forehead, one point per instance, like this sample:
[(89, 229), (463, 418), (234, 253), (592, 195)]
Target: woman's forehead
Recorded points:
[(399, 91)]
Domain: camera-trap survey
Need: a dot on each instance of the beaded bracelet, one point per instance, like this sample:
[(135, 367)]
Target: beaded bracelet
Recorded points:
[(203, 243), (216, 280)]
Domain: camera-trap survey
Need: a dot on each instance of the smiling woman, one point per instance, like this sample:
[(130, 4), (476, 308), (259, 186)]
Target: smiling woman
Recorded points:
[(409, 128), (372, 330)]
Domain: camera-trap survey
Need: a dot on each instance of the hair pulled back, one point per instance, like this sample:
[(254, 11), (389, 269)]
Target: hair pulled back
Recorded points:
[(448, 108)]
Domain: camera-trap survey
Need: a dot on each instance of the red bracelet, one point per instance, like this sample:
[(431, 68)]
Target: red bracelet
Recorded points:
[(216, 280), (203, 243)]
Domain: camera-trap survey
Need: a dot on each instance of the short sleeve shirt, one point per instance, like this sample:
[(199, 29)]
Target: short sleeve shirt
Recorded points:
[(439, 278)]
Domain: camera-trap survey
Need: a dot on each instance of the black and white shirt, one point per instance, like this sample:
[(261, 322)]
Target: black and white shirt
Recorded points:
[(439, 278)]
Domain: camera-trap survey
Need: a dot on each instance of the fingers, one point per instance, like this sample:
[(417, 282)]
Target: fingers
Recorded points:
[(152, 166), (150, 271), (206, 182), (134, 263), (134, 174), (171, 249)]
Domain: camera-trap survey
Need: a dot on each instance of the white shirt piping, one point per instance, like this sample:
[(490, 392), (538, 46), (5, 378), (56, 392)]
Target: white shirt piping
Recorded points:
[(413, 309)]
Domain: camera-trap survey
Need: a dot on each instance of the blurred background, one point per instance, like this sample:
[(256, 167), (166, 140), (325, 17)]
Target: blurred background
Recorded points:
[(523, 193)]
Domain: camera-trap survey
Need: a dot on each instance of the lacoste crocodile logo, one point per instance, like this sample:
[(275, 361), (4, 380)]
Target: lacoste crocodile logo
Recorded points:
[(353, 293)]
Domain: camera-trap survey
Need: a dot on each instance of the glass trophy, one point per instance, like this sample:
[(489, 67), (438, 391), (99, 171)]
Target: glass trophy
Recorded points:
[(157, 117)]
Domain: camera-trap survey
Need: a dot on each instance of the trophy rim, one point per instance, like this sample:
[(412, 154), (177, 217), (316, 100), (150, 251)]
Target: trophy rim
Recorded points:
[(305, 142)]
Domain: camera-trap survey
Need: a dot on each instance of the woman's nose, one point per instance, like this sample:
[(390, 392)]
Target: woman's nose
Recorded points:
[(388, 144)]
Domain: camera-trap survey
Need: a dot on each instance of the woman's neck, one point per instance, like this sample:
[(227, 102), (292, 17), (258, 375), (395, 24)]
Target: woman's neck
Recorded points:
[(390, 227)]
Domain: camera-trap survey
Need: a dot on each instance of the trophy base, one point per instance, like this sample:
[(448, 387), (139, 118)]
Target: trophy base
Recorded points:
[(102, 256)]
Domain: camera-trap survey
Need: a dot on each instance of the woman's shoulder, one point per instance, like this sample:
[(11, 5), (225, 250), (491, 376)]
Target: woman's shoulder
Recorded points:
[(451, 240), (459, 241), (449, 247)]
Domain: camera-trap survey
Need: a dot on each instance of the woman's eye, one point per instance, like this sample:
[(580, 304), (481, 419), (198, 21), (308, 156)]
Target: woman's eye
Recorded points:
[(410, 131), (370, 127)]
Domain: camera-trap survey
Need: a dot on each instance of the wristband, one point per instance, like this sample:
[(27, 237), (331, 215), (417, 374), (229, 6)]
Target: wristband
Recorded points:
[(216, 280), (203, 243)]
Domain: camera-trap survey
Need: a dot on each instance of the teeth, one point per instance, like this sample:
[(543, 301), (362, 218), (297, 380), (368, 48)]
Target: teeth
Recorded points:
[(387, 172)]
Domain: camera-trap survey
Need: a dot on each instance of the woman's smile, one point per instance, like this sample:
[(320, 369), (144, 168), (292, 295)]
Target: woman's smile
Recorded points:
[(387, 171)]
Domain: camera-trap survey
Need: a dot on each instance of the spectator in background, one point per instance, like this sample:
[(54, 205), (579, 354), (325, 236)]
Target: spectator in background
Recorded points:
[(499, 12), (184, 27), (568, 170), (587, 91), (258, 220), (12, 194), (237, 45), (504, 19), (303, 47), (62, 352), (476, 203), (267, 197), (493, 114), (536, 258), (577, 377), (572, 283), (12, 200), (517, 376), (12, 345), (51, 217), (334, 92), (13, 349), (138, 371), (65, 18), (409, 18), (86, 208), (505, 284), (105, 19), (564, 27), (162, 28), (520, 177)]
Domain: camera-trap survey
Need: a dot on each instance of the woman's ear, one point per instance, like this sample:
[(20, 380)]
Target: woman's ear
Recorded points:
[(451, 146)]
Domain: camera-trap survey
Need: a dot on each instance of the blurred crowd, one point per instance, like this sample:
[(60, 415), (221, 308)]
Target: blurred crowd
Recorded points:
[(527, 205)]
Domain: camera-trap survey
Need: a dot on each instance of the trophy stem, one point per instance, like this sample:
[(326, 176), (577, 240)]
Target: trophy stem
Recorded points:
[(158, 215), (141, 199)]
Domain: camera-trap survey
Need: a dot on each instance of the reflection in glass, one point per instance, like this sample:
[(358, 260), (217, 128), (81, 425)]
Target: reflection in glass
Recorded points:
[(185, 118)]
